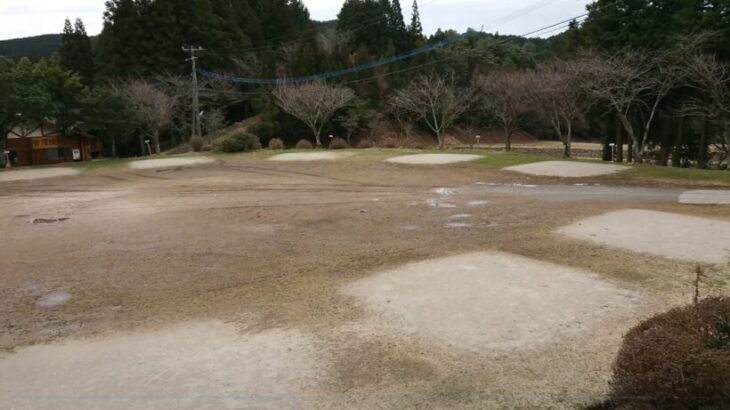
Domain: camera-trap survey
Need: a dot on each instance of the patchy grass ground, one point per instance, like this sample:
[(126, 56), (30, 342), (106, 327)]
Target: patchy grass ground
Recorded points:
[(249, 252)]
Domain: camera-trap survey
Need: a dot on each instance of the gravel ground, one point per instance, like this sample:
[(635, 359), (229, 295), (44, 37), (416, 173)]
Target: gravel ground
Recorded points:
[(313, 156), (169, 163), (566, 169), (705, 197), (433, 159), (658, 233), (249, 257), (33, 174), (491, 301)]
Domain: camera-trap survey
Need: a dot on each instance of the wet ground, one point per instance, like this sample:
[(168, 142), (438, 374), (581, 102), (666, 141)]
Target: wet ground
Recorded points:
[(153, 286)]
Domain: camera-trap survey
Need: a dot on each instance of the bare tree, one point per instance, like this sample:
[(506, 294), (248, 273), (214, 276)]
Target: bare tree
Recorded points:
[(711, 78), (630, 82), (436, 101), (153, 107), (213, 120), (313, 103), (556, 93), (506, 96)]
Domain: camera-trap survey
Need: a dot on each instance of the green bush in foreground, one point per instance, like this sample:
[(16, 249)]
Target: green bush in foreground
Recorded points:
[(676, 360), (240, 142)]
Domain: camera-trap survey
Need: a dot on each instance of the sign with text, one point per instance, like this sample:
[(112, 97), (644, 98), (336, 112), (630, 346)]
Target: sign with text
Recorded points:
[(45, 142)]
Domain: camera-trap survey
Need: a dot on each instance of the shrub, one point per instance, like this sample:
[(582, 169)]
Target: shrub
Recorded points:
[(677, 360), (304, 144), (240, 142), (196, 144), (339, 143), (364, 144), (389, 142), (276, 143)]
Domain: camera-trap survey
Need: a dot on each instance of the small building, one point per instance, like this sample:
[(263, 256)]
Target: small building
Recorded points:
[(46, 144)]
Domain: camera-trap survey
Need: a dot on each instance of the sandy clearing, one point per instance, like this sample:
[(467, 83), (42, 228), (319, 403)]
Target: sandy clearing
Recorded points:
[(669, 235), (196, 365), (566, 169), (33, 174), (433, 159), (169, 163), (313, 156), (490, 301), (705, 197)]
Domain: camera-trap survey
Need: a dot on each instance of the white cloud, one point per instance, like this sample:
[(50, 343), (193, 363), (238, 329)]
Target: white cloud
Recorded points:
[(22, 18)]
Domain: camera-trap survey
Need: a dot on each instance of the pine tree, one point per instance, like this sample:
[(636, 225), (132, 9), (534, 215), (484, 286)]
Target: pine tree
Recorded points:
[(76, 52), (396, 18), (416, 29)]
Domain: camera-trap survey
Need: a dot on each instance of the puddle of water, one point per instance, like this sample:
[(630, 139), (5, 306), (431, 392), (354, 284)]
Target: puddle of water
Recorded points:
[(460, 216), (54, 299), (478, 203), (409, 228), (444, 191), (435, 203), (39, 221), (458, 225)]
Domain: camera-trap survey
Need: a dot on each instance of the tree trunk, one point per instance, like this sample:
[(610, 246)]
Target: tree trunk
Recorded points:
[(317, 138), (142, 146), (619, 141), (702, 149), (440, 138), (508, 140), (676, 160), (114, 147), (568, 152), (157, 142)]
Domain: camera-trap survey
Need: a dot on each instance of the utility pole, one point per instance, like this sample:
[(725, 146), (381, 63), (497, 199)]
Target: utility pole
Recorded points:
[(196, 128)]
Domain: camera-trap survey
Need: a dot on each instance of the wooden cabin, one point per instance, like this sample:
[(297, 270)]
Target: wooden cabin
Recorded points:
[(46, 144)]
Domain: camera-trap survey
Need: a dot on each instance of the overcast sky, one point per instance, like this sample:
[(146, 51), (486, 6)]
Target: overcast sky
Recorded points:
[(23, 18)]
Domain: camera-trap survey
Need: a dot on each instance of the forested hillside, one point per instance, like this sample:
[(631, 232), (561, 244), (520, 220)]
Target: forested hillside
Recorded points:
[(32, 47), (668, 59)]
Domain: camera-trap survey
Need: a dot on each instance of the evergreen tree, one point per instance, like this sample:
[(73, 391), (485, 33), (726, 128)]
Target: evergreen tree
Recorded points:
[(76, 52), (416, 29), (398, 25)]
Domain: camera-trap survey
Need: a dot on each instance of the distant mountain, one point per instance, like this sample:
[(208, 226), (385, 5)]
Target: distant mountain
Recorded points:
[(32, 47)]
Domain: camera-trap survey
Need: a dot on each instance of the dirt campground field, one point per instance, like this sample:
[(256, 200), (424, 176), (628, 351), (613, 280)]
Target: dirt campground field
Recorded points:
[(350, 282)]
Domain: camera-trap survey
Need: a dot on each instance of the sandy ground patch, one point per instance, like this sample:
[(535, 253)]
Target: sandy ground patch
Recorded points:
[(198, 365), (705, 197), (33, 174), (491, 301), (433, 159), (566, 169), (311, 156), (670, 235), (169, 163)]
